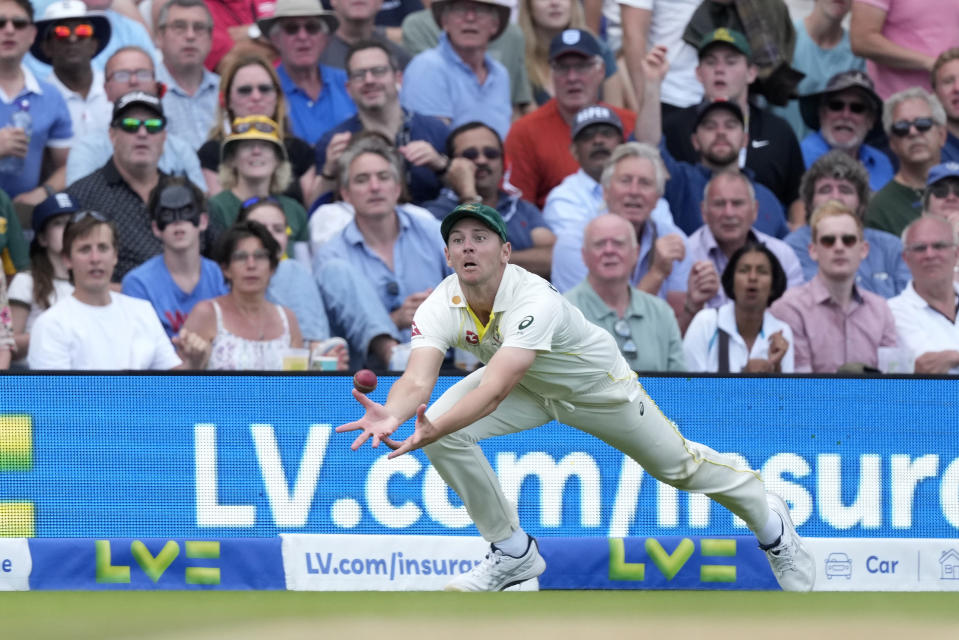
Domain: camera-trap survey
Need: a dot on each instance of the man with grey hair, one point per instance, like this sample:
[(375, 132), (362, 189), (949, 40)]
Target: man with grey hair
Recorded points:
[(926, 312), (632, 182), (183, 34), (729, 208), (400, 253), (838, 176), (316, 94), (607, 299), (916, 124)]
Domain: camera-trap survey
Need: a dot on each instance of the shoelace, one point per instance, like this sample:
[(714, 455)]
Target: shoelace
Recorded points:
[(786, 561)]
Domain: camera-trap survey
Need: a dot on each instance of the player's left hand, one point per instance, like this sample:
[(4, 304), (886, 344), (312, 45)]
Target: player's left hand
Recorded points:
[(376, 423), (424, 433)]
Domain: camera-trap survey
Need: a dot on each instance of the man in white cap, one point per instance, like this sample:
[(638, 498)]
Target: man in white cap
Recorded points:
[(458, 80), (315, 93), (68, 37)]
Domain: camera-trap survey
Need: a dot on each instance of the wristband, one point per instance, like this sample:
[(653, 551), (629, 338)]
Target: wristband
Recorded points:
[(50, 190), (446, 166)]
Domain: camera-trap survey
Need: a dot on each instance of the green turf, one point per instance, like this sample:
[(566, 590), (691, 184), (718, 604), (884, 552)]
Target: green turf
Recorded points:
[(82, 615)]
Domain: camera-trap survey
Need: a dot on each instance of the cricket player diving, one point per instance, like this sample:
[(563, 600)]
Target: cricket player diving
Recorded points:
[(543, 361)]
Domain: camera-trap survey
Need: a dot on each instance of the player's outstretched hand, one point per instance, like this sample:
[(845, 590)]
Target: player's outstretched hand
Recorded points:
[(424, 433), (377, 423)]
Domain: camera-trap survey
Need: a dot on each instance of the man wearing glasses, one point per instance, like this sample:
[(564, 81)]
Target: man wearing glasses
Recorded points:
[(183, 36), (836, 323), (475, 175), (316, 94), (926, 312), (35, 127), (631, 316), (841, 116), (916, 124), (131, 69), (122, 187), (374, 81), (68, 37)]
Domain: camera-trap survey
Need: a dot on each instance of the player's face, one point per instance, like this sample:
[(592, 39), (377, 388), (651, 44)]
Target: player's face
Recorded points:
[(947, 88), (372, 188), (92, 259), (843, 191), (724, 72), (916, 147), (372, 81), (273, 218), (475, 252), (729, 211), (719, 137), (929, 251), (632, 191), (610, 250), (248, 269), (838, 261), (753, 280)]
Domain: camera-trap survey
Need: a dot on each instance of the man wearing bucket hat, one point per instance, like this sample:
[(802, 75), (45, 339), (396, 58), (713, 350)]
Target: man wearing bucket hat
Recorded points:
[(458, 80), (68, 37), (543, 361), (316, 94), (841, 116)]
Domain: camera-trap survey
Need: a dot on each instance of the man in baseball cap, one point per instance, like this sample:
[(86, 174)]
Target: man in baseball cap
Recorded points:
[(942, 192), (842, 116)]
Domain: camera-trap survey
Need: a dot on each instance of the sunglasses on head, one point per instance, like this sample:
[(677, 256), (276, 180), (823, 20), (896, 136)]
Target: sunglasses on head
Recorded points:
[(247, 89), (88, 213), (19, 23), (132, 125), (943, 188), (312, 27), (839, 105), (255, 125), (901, 128), (472, 153), (62, 31), (258, 199), (848, 240)]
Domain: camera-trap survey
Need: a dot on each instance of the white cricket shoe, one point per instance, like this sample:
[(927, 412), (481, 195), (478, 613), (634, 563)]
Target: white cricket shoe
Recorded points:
[(792, 564), (499, 571)]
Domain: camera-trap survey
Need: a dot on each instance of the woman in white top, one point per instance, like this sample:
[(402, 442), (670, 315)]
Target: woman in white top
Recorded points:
[(33, 292), (742, 336), (246, 331)]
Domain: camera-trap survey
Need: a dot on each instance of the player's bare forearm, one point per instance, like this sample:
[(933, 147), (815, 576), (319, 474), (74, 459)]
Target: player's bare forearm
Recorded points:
[(415, 385)]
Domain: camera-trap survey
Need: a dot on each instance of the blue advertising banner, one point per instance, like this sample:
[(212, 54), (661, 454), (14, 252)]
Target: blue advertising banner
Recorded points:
[(213, 457)]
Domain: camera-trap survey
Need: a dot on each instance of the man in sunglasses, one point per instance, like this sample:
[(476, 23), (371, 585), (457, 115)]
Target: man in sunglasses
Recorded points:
[(927, 312), (841, 116), (68, 37), (316, 94), (35, 125), (476, 175), (945, 82), (942, 193), (915, 122), (836, 323)]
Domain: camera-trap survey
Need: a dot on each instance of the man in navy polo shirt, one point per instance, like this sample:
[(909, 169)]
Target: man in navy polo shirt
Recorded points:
[(316, 94)]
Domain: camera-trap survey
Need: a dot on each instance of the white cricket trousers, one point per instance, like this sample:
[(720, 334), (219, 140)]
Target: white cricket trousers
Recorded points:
[(619, 413)]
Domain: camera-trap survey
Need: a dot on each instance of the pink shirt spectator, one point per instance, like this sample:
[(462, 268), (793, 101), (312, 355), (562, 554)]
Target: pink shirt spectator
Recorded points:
[(926, 26), (825, 336)]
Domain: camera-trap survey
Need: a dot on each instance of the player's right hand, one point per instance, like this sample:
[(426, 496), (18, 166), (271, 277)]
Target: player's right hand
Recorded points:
[(377, 423)]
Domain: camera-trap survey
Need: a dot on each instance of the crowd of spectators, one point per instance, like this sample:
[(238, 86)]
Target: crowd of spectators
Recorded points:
[(208, 184)]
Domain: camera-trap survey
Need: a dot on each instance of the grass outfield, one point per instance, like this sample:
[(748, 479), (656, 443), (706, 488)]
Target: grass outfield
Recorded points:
[(591, 615)]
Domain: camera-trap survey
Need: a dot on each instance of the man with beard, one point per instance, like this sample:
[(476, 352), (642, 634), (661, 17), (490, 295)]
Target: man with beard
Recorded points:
[(475, 175), (719, 135), (841, 116), (945, 82), (373, 82), (916, 124)]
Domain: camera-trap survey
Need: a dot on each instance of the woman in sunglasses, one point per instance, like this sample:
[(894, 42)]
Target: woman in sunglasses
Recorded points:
[(246, 332), (249, 86), (742, 336), (254, 165)]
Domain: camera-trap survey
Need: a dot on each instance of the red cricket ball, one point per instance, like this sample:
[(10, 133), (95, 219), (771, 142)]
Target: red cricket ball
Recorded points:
[(364, 380)]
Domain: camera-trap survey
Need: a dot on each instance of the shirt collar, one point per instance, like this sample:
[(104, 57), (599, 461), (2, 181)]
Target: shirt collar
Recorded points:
[(288, 86), (209, 81), (353, 235), (449, 54), (821, 295)]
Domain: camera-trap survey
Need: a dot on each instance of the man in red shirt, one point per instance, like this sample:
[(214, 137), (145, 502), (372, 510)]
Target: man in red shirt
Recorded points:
[(537, 147)]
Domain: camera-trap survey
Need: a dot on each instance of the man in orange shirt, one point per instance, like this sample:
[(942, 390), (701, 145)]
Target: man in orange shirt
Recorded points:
[(537, 147)]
